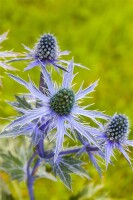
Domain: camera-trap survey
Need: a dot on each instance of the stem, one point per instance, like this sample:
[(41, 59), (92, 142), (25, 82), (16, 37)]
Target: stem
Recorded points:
[(42, 83), (30, 188), (69, 151), (30, 178), (40, 152), (40, 145), (40, 148), (36, 166)]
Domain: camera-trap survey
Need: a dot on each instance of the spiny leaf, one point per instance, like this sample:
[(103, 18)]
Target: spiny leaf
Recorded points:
[(22, 103), (65, 166), (74, 165), (12, 165), (63, 175), (17, 131)]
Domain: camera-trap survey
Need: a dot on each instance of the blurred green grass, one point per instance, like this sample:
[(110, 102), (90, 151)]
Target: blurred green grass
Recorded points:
[(100, 36)]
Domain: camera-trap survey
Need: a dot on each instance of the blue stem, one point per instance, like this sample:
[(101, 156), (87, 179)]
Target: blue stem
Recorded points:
[(30, 178), (30, 187), (40, 147), (40, 152), (37, 164), (69, 151)]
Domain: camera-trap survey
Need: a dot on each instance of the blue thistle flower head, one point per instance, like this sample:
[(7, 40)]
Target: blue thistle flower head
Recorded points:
[(63, 101), (59, 111), (115, 136), (47, 49), (117, 128), (46, 52)]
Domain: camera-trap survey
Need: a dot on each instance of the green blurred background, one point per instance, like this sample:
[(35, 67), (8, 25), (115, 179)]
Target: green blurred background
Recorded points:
[(99, 35)]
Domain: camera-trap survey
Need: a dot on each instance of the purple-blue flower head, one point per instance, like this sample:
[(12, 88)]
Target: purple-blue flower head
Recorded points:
[(46, 52), (60, 109), (47, 49), (115, 136), (62, 102), (117, 128)]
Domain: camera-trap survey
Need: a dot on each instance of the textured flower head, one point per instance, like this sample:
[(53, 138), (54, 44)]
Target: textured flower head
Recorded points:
[(46, 52), (47, 48), (62, 102), (117, 128), (115, 136), (60, 111)]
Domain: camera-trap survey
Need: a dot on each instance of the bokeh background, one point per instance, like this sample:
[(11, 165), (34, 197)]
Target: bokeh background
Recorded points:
[(99, 35)]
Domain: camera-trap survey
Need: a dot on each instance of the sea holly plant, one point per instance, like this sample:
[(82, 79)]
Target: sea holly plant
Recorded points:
[(52, 115)]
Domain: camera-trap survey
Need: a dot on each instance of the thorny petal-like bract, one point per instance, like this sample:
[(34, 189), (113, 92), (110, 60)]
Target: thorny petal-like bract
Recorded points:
[(63, 117)]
